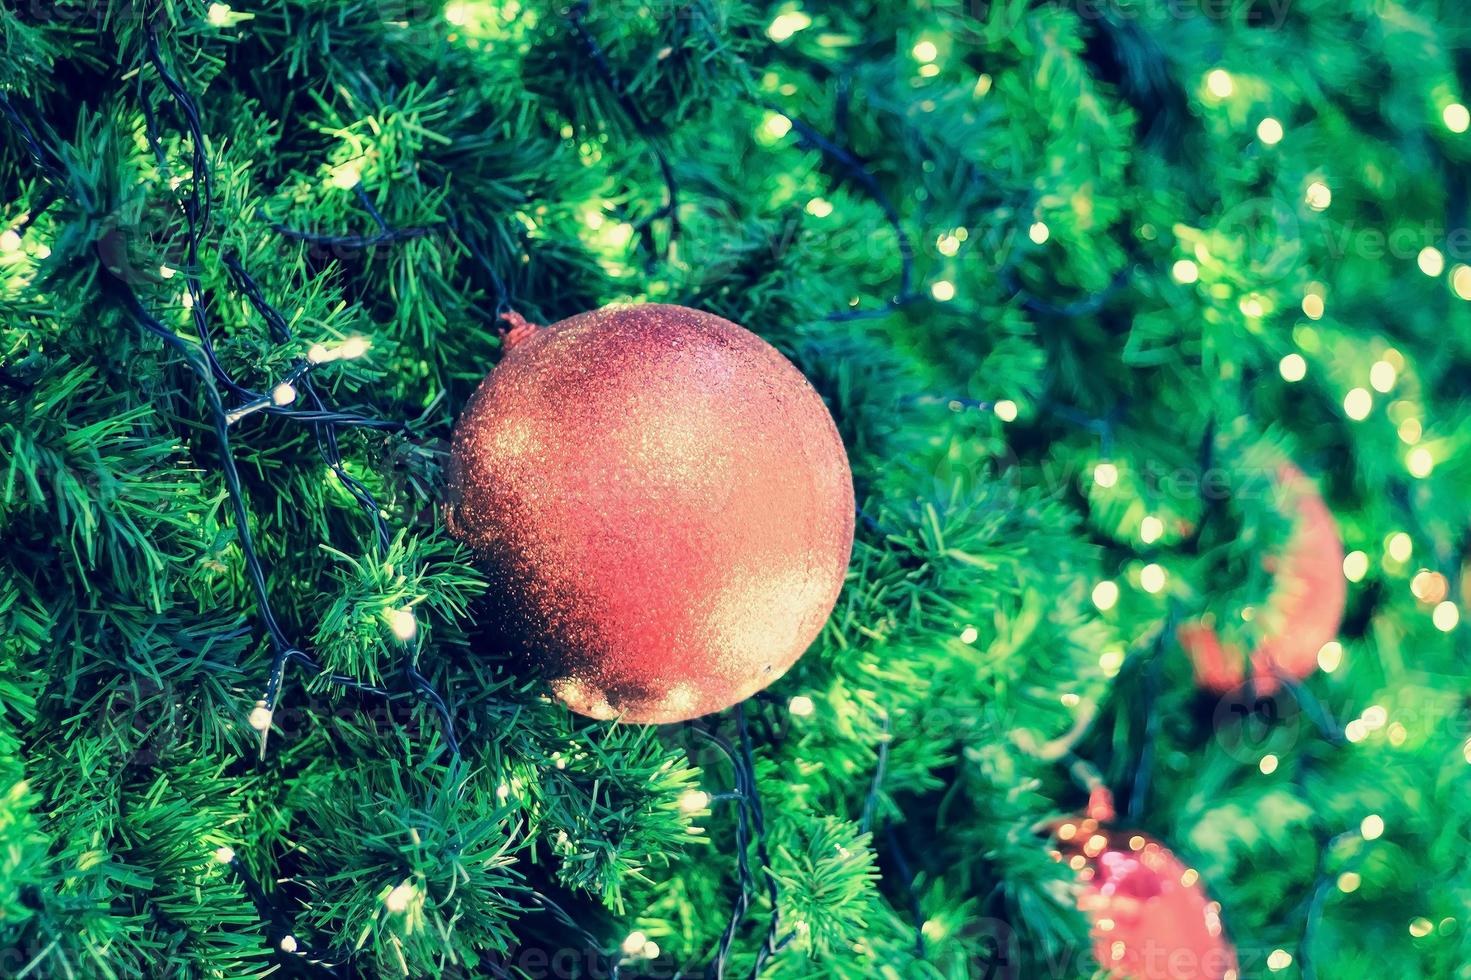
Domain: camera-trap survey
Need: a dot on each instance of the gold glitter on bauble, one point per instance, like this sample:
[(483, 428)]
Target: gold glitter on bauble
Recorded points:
[(664, 506)]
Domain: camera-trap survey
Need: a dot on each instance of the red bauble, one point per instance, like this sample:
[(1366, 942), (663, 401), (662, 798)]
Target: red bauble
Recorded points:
[(1304, 611), (663, 502), (1151, 920)]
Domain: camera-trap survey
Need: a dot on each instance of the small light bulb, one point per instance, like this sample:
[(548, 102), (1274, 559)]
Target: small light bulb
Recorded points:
[(398, 899), (943, 290), (969, 635), (1420, 462), (1420, 927), (166, 272), (1355, 566), (775, 126), (693, 801), (1431, 261), (1268, 765), (1349, 882), (224, 854), (1429, 587), (1151, 529), (819, 207), (650, 950), (260, 717), (1269, 131), (1400, 546), (1105, 595), (1457, 117), (1111, 660), (801, 706), (926, 51), (1294, 367), (288, 944), (1279, 960), (1219, 83), (403, 624), (9, 241), (1152, 578), (318, 354), (1357, 404), (1330, 655), (1382, 376), (1005, 410), (947, 245), (1318, 196), (633, 944), (1105, 475), (348, 175), (353, 347), (1372, 827), (1461, 281), (1312, 306), (218, 14), (1185, 271), (1039, 232), (1446, 616), (787, 24), (283, 394), (1356, 731)]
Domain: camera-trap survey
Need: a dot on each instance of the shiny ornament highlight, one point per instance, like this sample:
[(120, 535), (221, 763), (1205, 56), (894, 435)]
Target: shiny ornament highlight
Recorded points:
[(664, 506), (1304, 611)]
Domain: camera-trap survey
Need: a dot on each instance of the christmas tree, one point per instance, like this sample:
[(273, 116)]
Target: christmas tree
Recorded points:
[(1144, 325)]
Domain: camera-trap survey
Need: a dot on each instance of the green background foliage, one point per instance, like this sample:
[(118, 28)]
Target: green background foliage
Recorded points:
[(1111, 256)]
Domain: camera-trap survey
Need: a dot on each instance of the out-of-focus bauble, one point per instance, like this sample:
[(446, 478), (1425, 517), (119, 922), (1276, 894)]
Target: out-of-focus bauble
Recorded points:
[(663, 503), (1303, 612), (1150, 918)]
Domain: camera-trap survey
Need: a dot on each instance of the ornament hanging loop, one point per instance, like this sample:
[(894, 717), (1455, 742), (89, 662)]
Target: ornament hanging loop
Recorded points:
[(520, 330)]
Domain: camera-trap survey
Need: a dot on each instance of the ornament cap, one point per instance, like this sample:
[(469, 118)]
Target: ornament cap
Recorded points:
[(520, 329)]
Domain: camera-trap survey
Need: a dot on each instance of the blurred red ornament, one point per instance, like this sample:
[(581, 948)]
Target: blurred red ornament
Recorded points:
[(1150, 918), (663, 502), (1304, 611)]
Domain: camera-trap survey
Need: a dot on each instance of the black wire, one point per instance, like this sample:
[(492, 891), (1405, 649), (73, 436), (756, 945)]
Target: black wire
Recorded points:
[(43, 159), (503, 297), (861, 175), (901, 864), (323, 422), (1144, 762), (875, 787), (576, 15), (749, 817)]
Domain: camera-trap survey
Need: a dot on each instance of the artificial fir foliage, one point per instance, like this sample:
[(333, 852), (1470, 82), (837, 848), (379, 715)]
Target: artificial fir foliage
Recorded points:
[(1072, 278)]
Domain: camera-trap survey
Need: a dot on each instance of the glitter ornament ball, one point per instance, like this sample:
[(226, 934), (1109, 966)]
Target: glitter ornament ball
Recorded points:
[(663, 504), (1304, 611), (1150, 918)]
